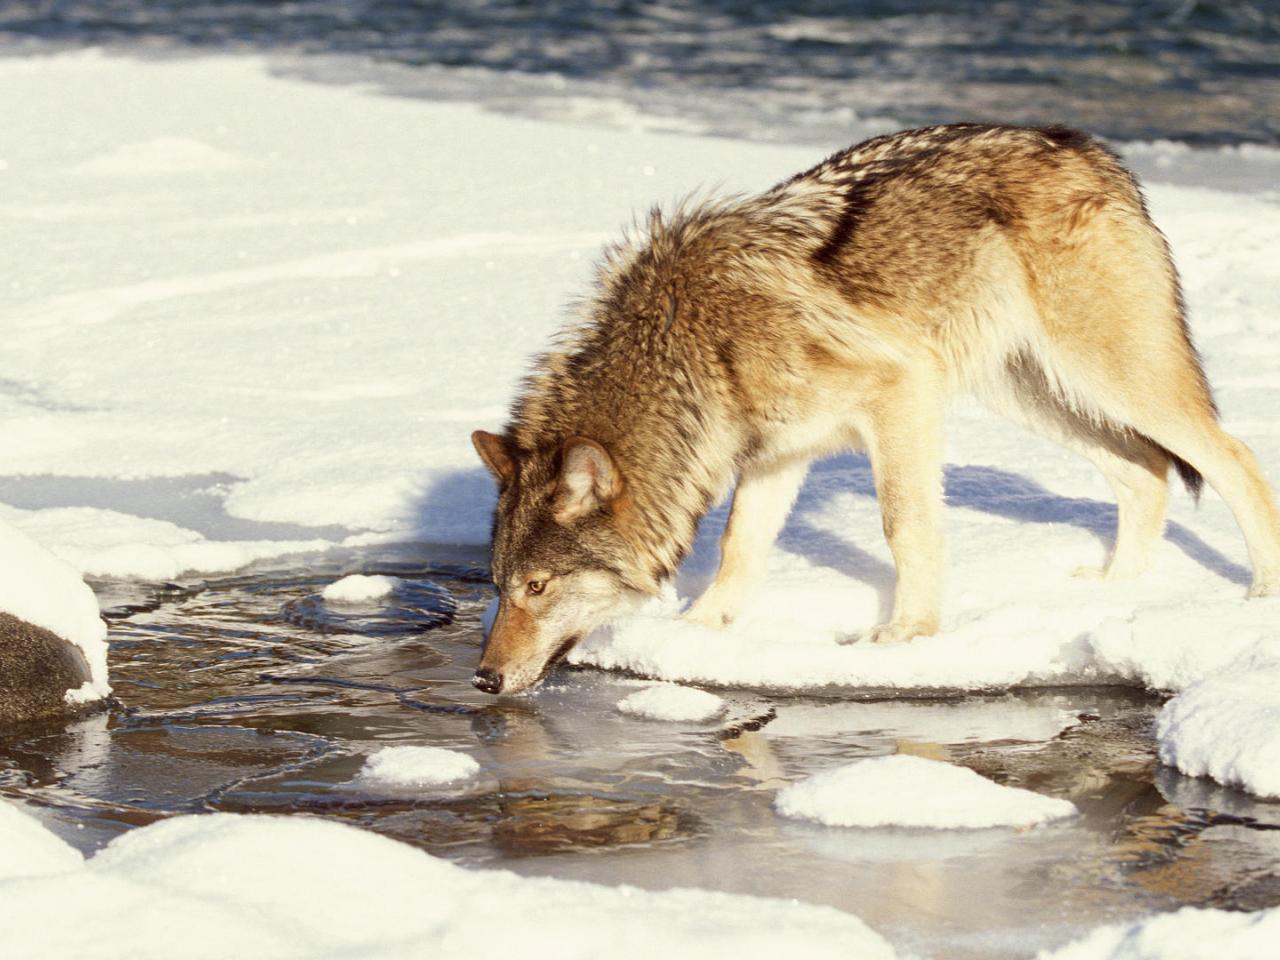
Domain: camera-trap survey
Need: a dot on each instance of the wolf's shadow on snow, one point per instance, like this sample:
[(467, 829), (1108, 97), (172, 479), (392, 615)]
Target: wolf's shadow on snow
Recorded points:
[(987, 489), (460, 496)]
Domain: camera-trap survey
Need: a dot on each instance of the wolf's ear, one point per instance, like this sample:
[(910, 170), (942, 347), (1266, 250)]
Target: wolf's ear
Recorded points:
[(588, 479), (495, 451)]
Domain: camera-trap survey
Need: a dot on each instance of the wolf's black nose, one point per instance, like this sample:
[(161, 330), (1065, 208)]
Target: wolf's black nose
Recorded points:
[(490, 681)]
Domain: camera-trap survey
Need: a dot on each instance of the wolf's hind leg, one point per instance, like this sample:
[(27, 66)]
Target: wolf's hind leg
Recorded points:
[(1231, 469), (1135, 468), (1160, 393), (761, 503), (1141, 487)]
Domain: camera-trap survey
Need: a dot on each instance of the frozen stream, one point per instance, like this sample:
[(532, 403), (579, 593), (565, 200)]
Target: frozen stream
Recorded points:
[(251, 694)]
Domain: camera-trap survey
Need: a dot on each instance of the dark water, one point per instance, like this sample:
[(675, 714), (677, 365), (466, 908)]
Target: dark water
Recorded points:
[(252, 694), (1204, 71)]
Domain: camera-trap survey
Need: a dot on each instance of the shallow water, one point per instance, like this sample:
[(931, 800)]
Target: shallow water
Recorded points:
[(1206, 71), (251, 694)]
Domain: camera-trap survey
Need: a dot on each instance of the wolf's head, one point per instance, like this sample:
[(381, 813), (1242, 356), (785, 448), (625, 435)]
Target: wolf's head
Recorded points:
[(560, 561)]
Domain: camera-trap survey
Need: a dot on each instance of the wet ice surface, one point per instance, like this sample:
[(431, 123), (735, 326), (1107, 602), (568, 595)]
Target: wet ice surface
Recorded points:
[(251, 694)]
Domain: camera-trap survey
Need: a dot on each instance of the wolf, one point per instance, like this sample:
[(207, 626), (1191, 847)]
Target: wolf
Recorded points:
[(732, 342)]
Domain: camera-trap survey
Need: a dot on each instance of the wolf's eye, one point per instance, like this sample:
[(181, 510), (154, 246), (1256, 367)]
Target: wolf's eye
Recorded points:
[(537, 586)]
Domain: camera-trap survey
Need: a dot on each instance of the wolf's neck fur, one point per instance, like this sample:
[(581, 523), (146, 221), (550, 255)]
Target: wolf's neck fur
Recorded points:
[(659, 370), (644, 374)]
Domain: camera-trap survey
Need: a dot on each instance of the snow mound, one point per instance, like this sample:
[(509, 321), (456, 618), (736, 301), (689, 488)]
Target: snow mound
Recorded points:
[(1188, 934), (162, 155), (301, 888), (1227, 726), (359, 588), (417, 767), (669, 701), (906, 791), (38, 587), (29, 849)]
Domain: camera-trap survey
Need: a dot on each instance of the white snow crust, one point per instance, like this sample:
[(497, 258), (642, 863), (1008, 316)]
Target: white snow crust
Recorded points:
[(108, 543), (1188, 934), (360, 588), (296, 888), (906, 791), (417, 767), (37, 587), (669, 701), (1227, 726)]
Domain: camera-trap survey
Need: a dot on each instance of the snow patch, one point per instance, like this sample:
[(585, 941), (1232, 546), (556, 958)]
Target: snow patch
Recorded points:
[(417, 767), (28, 848), (1227, 726), (1008, 646), (671, 702), (359, 588), (906, 791), (163, 155), (302, 888), (1187, 934), (107, 543)]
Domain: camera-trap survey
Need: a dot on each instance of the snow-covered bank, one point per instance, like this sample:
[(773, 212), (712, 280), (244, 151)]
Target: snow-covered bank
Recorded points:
[(1227, 726), (275, 887), (304, 327)]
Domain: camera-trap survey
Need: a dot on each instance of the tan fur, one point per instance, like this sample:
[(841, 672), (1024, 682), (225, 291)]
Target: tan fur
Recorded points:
[(739, 340)]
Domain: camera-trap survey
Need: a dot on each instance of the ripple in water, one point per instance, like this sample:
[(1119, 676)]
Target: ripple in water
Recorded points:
[(414, 606)]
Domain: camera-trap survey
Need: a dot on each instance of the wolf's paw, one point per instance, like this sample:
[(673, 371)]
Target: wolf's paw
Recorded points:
[(898, 632), (1265, 586), (708, 611), (1089, 573)]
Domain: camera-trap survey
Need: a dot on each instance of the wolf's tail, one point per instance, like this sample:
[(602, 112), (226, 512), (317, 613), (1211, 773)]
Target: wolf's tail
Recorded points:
[(1191, 477)]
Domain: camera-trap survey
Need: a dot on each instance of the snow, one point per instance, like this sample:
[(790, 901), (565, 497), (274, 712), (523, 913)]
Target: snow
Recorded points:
[(294, 315), (672, 702), (417, 767), (107, 543), (297, 887), (360, 588), (29, 850), (907, 791), (160, 156), (1227, 726), (1188, 934), (37, 587)]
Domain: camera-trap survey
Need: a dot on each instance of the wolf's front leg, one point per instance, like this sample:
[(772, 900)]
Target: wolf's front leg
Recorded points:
[(905, 446), (761, 503)]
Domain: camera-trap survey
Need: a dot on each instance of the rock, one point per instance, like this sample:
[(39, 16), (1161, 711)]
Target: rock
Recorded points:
[(37, 668)]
